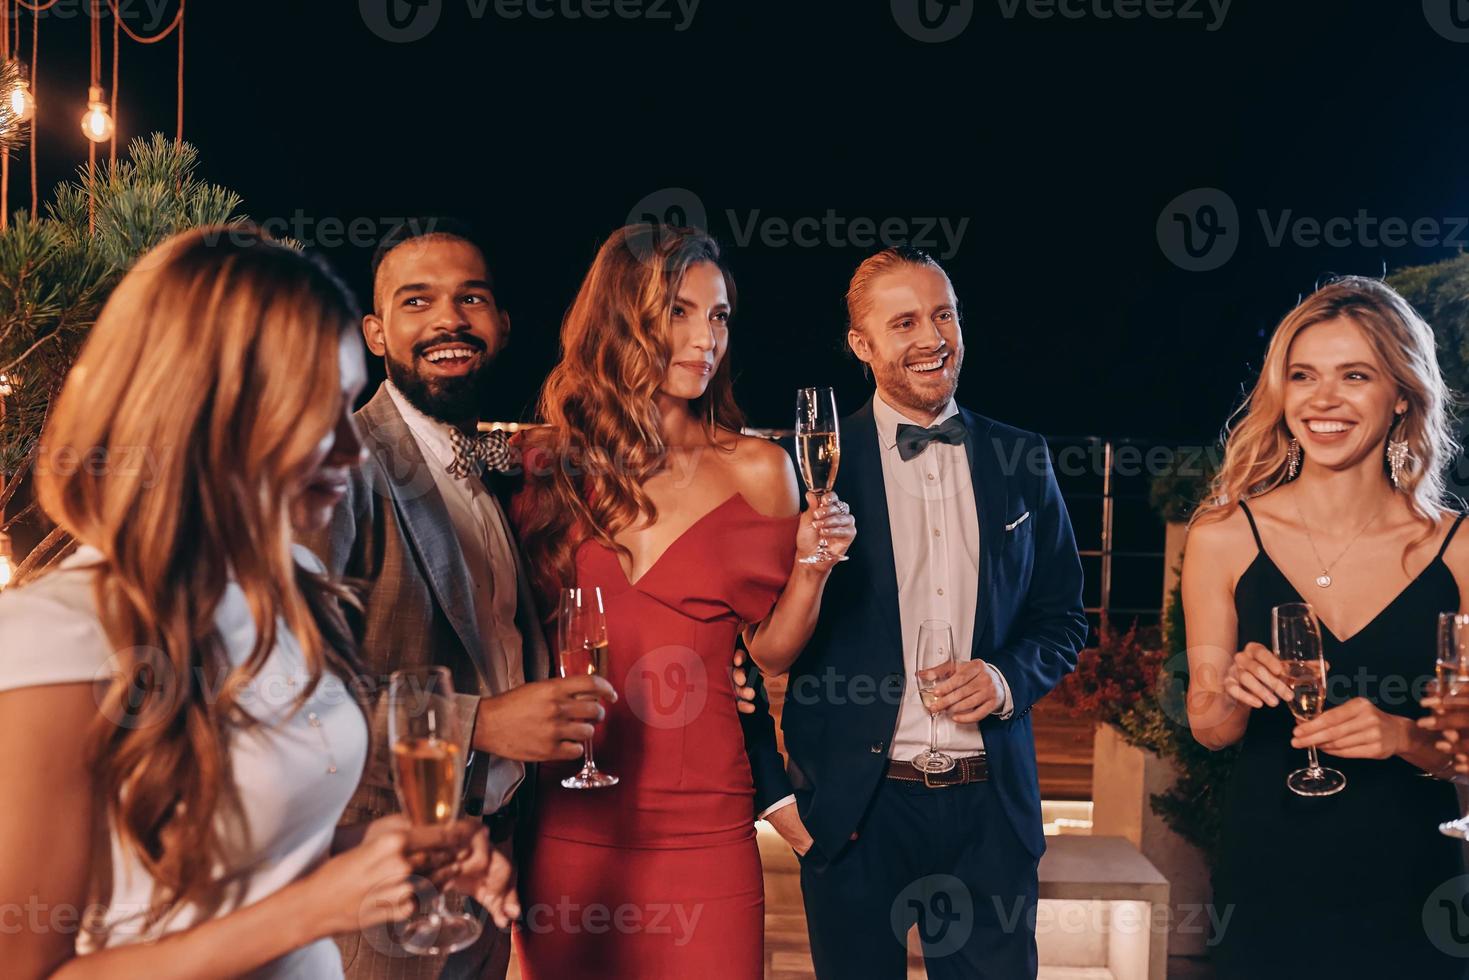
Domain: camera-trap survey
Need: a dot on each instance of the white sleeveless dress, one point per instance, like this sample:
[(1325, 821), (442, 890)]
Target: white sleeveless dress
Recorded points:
[(295, 772)]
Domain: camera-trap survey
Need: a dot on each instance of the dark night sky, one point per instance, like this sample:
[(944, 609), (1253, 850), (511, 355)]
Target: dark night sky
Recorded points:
[(1059, 141)]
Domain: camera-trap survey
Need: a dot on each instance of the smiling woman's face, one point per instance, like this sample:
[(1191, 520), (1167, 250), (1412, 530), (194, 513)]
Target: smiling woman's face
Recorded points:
[(1339, 400)]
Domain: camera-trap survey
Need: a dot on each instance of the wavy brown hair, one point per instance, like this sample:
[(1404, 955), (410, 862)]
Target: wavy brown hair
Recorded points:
[(1257, 440), (604, 435), (215, 361)]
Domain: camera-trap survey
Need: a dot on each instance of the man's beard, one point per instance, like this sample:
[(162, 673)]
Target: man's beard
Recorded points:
[(450, 400), (898, 382)]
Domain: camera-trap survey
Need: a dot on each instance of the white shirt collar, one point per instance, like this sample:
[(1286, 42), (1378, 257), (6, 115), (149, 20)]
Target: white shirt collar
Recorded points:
[(888, 419), (431, 434)]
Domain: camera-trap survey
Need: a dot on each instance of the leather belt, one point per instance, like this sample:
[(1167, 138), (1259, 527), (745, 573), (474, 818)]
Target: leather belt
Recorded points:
[(971, 769)]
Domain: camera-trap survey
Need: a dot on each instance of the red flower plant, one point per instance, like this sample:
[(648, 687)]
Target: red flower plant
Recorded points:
[(1113, 675)]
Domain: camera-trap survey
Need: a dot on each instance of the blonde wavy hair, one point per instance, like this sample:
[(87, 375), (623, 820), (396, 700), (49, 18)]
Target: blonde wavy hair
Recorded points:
[(216, 360), (1256, 440), (604, 437)]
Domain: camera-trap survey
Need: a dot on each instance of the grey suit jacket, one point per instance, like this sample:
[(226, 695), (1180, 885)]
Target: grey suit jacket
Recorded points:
[(393, 534)]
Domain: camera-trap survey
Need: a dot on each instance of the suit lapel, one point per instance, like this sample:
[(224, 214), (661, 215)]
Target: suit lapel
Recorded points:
[(991, 501), (426, 525), (862, 485)]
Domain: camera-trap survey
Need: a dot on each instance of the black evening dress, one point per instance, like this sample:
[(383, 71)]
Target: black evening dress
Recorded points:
[(1346, 885)]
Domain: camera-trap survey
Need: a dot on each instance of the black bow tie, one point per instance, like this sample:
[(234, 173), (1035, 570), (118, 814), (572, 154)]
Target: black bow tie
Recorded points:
[(914, 439)]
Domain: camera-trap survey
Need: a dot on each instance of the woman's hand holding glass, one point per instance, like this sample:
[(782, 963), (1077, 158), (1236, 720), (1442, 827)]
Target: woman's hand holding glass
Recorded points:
[(827, 522)]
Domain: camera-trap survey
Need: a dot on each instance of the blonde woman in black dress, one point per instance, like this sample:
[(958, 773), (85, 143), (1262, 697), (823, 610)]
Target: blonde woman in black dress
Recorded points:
[(1331, 493)]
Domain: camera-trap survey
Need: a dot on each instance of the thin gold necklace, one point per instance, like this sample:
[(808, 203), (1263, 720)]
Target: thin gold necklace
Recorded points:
[(1324, 579)]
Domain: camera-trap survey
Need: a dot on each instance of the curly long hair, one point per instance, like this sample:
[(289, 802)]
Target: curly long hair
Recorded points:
[(216, 360), (604, 434), (1257, 439)]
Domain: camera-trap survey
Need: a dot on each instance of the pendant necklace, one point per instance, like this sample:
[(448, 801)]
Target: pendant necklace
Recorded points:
[(1324, 579)]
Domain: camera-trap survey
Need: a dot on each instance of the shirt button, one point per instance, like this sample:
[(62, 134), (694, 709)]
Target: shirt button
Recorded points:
[(935, 532), (941, 591), (930, 477), (877, 748)]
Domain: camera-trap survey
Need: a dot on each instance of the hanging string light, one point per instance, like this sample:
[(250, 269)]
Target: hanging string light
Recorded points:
[(97, 124), (177, 24)]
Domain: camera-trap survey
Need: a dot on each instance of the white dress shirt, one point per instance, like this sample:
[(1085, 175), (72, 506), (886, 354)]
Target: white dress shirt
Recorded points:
[(935, 532), (484, 535), (294, 772)]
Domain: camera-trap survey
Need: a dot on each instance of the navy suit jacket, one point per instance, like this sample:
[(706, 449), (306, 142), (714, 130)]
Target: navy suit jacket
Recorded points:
[(841, 706)]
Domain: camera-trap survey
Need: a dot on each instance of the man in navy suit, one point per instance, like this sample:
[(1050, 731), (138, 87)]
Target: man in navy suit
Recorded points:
[(963, 523)]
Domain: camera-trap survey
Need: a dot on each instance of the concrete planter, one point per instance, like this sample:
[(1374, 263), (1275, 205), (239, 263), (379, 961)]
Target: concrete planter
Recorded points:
[(1124, 779)]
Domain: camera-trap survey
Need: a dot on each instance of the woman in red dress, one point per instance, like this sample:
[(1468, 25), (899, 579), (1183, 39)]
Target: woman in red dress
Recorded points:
[(642, 486)]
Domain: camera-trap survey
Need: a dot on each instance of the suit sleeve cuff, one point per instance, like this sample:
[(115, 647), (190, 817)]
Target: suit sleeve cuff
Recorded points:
[(1007, 703), (777, 805)]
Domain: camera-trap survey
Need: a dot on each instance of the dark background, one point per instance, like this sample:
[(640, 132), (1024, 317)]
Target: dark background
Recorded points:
[(1060, 141)]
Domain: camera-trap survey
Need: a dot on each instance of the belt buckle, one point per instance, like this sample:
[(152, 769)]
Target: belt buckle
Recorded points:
[(932, 785)]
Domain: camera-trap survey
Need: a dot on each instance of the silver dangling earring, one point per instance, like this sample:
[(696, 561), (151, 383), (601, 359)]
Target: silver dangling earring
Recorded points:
[(1293, 459), (1397, 459)]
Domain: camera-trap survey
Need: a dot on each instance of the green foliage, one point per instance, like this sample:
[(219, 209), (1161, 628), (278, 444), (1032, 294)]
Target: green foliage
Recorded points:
[(1159, 723), (1440, 292), (56, 272), (1175, 492)]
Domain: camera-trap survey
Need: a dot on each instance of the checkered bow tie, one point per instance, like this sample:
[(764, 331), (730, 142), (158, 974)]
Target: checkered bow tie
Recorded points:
[(472, 456)]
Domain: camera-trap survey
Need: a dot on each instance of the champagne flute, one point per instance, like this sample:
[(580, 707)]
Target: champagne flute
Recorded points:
[(818, 450), (428, 774), (1298, 646), (935, 664), (1451, 683), (582, 628)]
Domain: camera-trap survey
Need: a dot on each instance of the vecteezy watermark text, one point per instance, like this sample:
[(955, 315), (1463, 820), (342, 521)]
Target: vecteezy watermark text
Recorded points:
[(1199, 230), (406, 21)]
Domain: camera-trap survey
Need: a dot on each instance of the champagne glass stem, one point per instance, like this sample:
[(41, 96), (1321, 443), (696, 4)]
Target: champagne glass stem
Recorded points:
[(1315, 763), (588, 763), (821, 551), (933, 733)]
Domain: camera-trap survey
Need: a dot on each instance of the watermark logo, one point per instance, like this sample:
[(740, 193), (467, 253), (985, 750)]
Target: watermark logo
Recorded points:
[(1199, 229), (681, 207), (1449, 18), (1446, 917), (933, 21), (401, 21), (942, 908), (406, 21), (667, 687), (137, 687)]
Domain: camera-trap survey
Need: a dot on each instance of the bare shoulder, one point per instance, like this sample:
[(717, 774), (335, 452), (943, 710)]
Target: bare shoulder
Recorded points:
[(764, 476), (1456, 555), (1220, 546)]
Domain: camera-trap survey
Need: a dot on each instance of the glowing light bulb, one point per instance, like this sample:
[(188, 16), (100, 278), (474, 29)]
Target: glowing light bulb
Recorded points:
[(7, 562), (22, 102), (97, 123)]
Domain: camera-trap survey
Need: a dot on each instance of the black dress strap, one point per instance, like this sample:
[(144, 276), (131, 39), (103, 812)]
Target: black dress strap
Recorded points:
[(1256, 531), (1457, 521)]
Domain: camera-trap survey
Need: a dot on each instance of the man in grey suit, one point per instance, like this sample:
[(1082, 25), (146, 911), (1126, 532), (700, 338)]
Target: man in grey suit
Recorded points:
[(423, 528)]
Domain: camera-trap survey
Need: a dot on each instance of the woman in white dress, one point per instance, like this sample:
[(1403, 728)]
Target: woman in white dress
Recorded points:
[(173, 769)]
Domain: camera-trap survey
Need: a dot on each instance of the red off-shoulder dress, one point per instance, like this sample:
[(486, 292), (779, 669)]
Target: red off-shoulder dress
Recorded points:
[(659, 876)]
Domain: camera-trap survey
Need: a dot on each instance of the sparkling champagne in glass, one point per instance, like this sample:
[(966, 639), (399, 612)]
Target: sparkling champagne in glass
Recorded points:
[(582, 631), (1297, 638), (1451, 684), (818, 451), (935, 664), (428, 752)]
